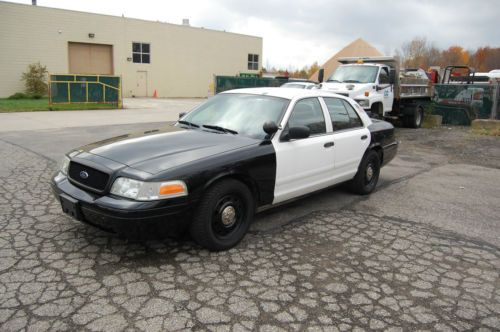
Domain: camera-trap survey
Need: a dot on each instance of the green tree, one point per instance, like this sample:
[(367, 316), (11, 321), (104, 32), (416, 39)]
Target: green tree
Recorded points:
[(35, 79)]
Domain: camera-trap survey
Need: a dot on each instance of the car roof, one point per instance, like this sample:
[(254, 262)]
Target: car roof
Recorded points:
[(285, 93)]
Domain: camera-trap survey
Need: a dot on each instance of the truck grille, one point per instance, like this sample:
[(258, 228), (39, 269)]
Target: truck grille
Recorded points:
[(87, 176)]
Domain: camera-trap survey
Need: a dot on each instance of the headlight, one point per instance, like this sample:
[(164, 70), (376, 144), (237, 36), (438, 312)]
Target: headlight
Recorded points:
[(363, 102), (65, 165), (148, 191)]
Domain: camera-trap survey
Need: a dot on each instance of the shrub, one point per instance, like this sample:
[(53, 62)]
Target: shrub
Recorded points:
[(35, 79), (18, 95), (429, 109)]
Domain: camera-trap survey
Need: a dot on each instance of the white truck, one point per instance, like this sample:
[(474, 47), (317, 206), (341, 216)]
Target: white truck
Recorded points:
[(379, 86)]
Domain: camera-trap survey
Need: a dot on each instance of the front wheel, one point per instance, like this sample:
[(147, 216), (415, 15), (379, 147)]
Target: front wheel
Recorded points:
[(366, 178), (223, 215)]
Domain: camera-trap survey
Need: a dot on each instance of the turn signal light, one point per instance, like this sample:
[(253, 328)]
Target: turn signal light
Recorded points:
[(170, 189), (367, 93)]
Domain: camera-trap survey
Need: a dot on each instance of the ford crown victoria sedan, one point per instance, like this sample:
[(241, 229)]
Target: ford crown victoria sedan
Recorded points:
[(210, 171)]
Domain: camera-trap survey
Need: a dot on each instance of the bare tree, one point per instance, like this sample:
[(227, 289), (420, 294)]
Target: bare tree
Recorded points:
[(415, 53)]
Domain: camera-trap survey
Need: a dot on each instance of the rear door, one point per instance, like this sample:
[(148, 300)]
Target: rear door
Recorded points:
[(351, 138), (304, 165)]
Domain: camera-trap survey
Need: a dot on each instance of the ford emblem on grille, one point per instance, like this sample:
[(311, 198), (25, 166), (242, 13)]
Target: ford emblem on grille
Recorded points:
[(84, 174)]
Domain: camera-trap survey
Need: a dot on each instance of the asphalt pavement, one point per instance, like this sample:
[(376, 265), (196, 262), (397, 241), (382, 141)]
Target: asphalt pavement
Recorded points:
[(421, 253)]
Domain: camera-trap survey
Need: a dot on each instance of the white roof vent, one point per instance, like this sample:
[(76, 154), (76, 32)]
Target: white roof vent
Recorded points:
[(185, 21)]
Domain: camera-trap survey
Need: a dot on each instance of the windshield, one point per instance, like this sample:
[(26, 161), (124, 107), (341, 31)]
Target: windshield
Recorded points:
[(355, 74), (241, 113)]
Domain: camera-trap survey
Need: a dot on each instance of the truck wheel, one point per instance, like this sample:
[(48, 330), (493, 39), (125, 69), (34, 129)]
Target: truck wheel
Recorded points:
[(223, 215), (366, 178), (415, 119)]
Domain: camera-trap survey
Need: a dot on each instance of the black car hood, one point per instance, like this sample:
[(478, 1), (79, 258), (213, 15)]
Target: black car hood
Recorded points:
[(157, 150)]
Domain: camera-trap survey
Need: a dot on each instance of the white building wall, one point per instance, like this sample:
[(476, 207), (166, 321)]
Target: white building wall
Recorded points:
[(183, 59)]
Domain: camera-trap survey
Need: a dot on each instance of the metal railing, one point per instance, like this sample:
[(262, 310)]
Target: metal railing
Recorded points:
[(85, 89), (462, 103)]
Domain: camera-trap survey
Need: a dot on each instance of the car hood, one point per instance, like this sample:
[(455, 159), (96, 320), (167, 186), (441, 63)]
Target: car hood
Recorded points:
[(158, 150)]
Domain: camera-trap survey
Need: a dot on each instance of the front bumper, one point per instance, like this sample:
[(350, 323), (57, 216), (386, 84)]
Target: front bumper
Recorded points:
[(128, 218)]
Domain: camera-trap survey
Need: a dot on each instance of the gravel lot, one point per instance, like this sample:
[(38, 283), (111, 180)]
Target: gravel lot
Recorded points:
[(457, 144), (331, 261)]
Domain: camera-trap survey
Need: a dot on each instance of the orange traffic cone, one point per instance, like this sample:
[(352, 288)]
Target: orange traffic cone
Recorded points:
[(155, 94)]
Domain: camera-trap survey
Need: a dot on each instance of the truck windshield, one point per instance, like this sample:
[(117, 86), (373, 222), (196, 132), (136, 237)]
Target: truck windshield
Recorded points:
[(355, 74), (244, 114)]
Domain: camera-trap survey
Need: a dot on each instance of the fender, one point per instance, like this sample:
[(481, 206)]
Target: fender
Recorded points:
[(383, 140)]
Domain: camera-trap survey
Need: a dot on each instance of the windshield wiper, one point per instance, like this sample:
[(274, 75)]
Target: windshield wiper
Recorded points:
[(188, 123), (352, 81), (334, 81), (218, 128)]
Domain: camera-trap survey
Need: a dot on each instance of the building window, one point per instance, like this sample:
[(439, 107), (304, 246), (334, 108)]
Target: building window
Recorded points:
[(253, 62), (141, 53)]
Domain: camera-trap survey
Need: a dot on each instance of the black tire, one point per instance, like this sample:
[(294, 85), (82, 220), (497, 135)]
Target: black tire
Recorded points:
[(415, 119), (365, 180), (223, 215)]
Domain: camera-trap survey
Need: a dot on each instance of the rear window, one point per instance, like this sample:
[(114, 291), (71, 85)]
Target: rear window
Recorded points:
[(342, 114)]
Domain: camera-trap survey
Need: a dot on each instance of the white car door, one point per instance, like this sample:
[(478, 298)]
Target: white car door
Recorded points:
[(303, 165), (351, 138)]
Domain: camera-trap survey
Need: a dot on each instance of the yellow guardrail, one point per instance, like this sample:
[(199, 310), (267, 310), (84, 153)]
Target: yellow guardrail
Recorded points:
[(86, 89)]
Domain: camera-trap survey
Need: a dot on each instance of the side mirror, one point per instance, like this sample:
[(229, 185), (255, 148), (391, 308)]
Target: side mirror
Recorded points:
[(321, 75), (182, 114), (270, 128), (299, 132)]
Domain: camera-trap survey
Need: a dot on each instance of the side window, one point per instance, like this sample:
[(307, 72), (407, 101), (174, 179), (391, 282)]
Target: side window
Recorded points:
[(383, 77), (308, 112), (353, 115), (338, 113), (342, 113)]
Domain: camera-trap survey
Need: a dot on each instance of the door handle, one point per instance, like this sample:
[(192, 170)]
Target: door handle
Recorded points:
[(364, 137), (328, 144)]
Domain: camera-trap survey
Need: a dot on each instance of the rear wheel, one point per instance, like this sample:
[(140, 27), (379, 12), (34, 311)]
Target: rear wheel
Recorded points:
[(415, 118), (366, 178), (223, 215)]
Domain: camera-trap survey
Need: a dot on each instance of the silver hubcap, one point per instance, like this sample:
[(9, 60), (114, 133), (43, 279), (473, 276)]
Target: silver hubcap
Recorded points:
[(369, 173), (228, 216), (419, 117)]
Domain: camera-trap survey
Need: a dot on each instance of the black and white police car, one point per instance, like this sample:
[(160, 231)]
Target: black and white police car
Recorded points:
[(209, 172)]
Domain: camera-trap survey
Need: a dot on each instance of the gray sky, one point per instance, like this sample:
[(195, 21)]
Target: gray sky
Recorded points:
[(298, 32)]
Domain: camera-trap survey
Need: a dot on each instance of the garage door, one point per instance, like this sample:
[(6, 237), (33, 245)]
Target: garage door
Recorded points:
[(90, 58)]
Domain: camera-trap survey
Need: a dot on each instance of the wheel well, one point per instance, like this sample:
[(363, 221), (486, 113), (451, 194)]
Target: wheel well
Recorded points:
[(247, 181), (378, 108)]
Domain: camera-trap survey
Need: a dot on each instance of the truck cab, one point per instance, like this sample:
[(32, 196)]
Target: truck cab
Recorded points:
[(383, 90), (369, 84)]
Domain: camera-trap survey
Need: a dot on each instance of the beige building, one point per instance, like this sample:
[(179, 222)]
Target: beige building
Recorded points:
[(175, 60), (359, 47)]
